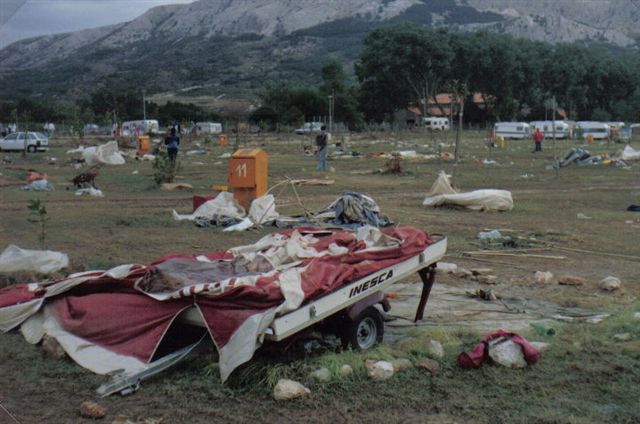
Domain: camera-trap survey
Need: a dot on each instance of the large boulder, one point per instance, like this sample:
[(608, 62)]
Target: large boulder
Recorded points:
[(288, 389)]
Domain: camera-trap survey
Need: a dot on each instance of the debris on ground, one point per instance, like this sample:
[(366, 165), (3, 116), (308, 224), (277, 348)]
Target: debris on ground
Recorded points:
[(107, 154), (52, 347), (490, 235), (610, 283), (93, 192), (312, 181), (543, 277), (92, 410), (571, 280), (482, 294), (379, 370), (34, 175), (446, 267), (580, 215), (175, 186), (428, 364), (38, 185), (393, 166), (15, 259), (504, 348), (287, 389), (487, 279), (443, 194), (86, 179), (623, 337), (629, 153)]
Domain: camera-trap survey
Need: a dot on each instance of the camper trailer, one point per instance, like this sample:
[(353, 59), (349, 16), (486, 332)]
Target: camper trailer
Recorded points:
[(435, 123), (562, 129), (594, 130), (515, 130), (132, 128), (208, 128)]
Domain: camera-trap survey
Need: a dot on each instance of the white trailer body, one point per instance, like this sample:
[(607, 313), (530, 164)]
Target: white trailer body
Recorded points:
[(562, 129), (597, 130), (208, 128), (514, 130)]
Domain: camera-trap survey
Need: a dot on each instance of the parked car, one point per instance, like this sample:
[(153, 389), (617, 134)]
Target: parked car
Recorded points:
[(35, 142), (309, 127)]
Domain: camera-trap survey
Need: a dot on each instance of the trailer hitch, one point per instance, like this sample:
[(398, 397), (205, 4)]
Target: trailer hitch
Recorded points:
[(427, 275)]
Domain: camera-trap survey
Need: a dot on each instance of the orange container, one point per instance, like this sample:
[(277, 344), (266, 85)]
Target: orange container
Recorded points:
[(222, 139), (144, 145), (248, 175)]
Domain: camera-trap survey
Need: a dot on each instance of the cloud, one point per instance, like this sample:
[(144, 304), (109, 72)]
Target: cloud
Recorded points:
[(31, 18)]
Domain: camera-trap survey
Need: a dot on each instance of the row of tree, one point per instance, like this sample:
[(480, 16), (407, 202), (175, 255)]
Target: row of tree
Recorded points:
[(402, 65)]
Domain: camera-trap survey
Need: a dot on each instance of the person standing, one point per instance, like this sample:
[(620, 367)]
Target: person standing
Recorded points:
[(538, 136), (322, 145), (172, 142)]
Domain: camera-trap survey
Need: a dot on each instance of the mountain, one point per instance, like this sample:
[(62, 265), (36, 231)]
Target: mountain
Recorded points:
[(235, 46)]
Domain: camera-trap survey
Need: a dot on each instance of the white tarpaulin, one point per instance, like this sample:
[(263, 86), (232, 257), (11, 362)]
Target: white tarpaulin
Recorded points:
[(442, 193), (224, 204), (629, 153), (107, 154), (15, 259)]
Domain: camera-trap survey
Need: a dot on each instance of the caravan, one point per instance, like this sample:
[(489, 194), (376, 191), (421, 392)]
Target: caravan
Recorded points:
[(436, 124), (593, 130), (562, 129), (132, 128), (515, 130), (207, 128)]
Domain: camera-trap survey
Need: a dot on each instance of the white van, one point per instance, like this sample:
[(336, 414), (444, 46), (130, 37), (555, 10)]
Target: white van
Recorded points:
[(208, 128), (597, 130), (143, 127), (435, 123), (563, 130), (516, 130)]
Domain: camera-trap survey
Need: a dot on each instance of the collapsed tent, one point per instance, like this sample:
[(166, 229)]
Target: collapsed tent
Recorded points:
[(442, 193), (106, 154), (579, 156), (116, 320), (629, 153)]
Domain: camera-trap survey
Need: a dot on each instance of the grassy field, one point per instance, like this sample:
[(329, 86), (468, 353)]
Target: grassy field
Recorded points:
[(587, 376)]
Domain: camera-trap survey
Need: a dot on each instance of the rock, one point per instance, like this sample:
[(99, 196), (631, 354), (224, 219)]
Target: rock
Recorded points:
[(288, 389), (507, 353), (346, 370), (321, 374), (487, 279), (463, 273), (636, 315), (428, 364), (543, 277), (52, 347), (610, 284), (401, 364), (92, 410), (580, 215), (570, 280), (122, 419), (435, 349), (622, 337), (481, 271), (446, 268), (541, 346), (176, 186), (380, 370)]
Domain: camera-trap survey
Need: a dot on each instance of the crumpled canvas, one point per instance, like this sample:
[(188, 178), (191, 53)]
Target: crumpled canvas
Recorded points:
[(15, 259), (442, 193), (107, 154)]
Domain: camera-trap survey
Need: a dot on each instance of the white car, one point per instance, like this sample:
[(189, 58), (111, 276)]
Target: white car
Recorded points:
[(33, 141)]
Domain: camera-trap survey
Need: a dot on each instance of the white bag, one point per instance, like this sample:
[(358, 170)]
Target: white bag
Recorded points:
[(15, 259)]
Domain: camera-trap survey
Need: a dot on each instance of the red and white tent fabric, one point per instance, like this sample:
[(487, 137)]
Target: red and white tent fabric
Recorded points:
[(116, 319)]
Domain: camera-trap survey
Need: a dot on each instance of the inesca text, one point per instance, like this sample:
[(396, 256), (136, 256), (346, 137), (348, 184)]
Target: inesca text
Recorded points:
[(371, 283)]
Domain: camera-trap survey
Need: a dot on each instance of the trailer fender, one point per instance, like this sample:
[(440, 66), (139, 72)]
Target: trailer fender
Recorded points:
[(378, 297)]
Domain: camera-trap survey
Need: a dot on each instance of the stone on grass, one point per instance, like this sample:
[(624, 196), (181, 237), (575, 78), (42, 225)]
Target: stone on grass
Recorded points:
[(571, 280), (380, 370), (463, 273), (321, 374), (428, 364), (508, 354), (487, 279), (543, 277), (636, 315), (52, 347), (446, 267), (435, 349), (92, 410), (610, 284), (288, 389), (401, 364), (622, 337), (122, 419), (346, 370)]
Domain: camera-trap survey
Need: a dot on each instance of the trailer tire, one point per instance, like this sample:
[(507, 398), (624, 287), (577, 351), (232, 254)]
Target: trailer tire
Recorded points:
[(365, 331)]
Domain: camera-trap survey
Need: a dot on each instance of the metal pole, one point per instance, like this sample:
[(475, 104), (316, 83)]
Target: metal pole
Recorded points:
[(553, 132), (144, 110)]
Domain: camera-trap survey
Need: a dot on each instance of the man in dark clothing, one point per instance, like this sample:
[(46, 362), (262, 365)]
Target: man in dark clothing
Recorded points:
[(538, 136), (172, 142), (322, 141)]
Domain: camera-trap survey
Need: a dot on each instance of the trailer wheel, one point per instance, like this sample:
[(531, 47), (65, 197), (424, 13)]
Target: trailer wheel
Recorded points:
[(365, 331)]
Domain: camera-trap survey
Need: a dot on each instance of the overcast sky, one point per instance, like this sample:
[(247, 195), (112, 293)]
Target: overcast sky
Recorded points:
[(29, 18)]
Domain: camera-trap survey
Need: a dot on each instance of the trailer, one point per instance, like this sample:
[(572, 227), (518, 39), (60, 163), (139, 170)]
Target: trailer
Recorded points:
[(351, 311)]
